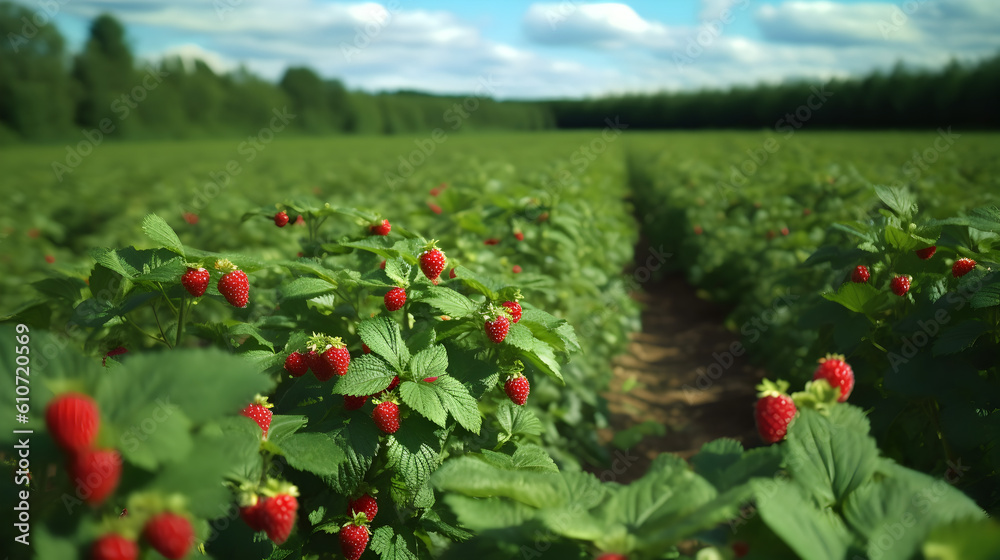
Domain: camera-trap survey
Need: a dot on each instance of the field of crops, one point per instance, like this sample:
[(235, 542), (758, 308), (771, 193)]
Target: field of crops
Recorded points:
[(539, 234)]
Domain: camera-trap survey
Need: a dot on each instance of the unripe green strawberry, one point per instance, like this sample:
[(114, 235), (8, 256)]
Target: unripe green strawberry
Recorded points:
[(114, 547), (72, 420), (837, 373), (170, 534), (962, 267)]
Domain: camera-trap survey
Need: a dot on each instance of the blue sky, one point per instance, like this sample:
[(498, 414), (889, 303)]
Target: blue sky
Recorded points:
[(563, 48)]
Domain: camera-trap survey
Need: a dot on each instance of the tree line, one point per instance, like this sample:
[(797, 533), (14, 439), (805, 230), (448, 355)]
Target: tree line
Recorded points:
[(47, 93)]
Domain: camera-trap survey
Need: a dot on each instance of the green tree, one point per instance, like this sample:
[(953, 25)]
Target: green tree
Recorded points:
[(103, 71)]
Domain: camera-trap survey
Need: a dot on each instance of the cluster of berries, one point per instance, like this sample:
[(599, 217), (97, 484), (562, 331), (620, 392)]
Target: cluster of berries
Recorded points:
[(775, 409), (233, 285), (900, 284)]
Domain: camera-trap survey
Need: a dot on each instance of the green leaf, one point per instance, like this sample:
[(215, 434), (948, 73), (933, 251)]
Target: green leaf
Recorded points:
[(430, 362), (518, 420), (154, 434), (533, 458), (667, 491), (413, 452), (423, 397), (476, 478), (857, 297), (306, 288), (313, 452), (240, 330), (381, 334), (899, 239), (827, 460), (390, 546), (455, 398), (159, 231), (898, 200), (811, 533), (359, 442), (987, 296), (483, 514), (470, 279), (959, 337), (109, 259), (366, 375), (398, 271), (449, 302)]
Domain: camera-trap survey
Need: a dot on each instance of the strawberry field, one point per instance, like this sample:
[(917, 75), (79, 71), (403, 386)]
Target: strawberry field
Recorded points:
[(399, 347)]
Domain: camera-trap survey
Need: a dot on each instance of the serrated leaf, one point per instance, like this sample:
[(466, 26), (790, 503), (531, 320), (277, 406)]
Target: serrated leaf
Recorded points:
[(306, 288), (381, 334), (109, 259), (518, 420), (899, 239), (366, 375), (159, 231), (959, 337), (423, 397), (470, 279), (360, 443), (455, 398), (533, 458), (826, 460), (413, 452), (449, 302), (389, 545), (430, 362), (808, 531), (313, 452), (484, 514), (898, 200), (988, 296), (398, 271), (854, 296)]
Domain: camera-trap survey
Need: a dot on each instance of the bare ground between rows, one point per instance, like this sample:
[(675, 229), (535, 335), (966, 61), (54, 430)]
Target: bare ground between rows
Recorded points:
[(657, 380)]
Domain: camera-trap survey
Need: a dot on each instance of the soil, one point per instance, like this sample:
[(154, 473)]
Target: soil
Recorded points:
[(664, 379)]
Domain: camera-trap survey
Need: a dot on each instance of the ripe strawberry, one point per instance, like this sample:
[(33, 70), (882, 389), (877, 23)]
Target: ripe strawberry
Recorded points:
[(926, 252), (95, 473), (430, 379), (380, 229), (365, 348), (382, 265), (195, 281), (491, 241), (72, 419), (435, 191), (698, 230), (316, 363), (452, 273), (434, 207), (860, 274), (900, 285), (114, 547), (277, 517), (353, 540), (838, 373), (170, 534), (611, 556), (784, 231), (281, 219), (260, 412), (338, 357), (352, 402), (392, 384), (191, 218), (250, 514), (395, 299), (50, 259), (386, 417), (773, 413), (496, 329), (515, 310), (432, 261), (740, 549), (296, 364), (519, 236), (112, 353), (299, 220), (234, 285), (517, 388), (962, 267), (516, 269), (365, 503)]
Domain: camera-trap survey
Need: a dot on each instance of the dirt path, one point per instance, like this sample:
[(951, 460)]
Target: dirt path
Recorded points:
[(679, 335)]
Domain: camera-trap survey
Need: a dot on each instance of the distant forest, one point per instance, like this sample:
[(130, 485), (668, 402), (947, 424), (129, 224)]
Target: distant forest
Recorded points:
[(47, 94)]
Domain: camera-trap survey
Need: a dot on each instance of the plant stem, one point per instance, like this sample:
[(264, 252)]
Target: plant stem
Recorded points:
[(138, 328), (164, 336), (180, 320)]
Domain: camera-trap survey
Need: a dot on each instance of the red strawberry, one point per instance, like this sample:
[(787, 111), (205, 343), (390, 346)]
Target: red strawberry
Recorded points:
[(234, 285), (496, 329), (392, 384), (195, 281), (452, 273), (900, 285), (380, 229), (95, 473), (515, 310), (962, 267), (316, 363), (432, 261), (838, 373), (784, 231), (338, 356), (296, 364), (740, 549), (112, 353), (170, 534), (260, 412), (352, 402), (395, 299), (191, 218), (251, 514), (435, 191), (517, 388), (519, 236), (611, 556), (386, 417), (434, 207), (926, 252), (72, 420), (281, 219), (491, 241), (806, 211), (114, 547), (773, 413), (277, 517), (516, 269), (299, 220), (860, 274), (698, 230), (50, 259), (382, 265), (430, 379), (365, 503), (365, 348), (353, 540)]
